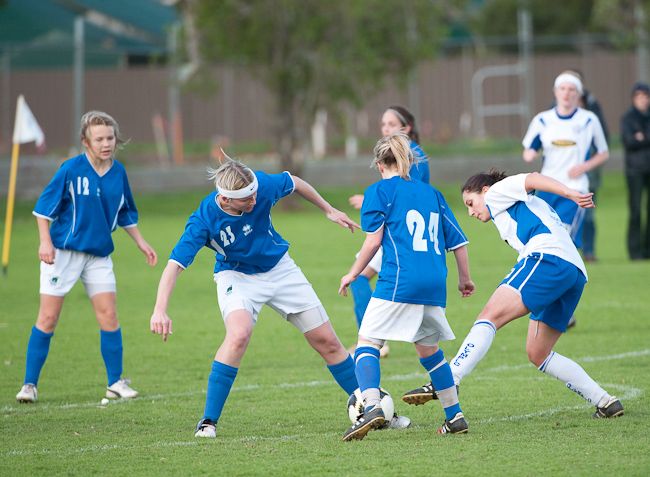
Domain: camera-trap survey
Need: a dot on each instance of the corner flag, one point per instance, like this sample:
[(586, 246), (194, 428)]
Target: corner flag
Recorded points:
[(26, 129)]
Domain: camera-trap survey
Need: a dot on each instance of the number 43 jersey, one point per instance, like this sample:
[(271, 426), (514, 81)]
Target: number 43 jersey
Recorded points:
[(85, 208), (418, 228)]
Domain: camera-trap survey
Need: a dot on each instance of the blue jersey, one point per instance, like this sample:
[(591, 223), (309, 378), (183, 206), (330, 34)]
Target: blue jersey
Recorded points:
[(248, 242), (85, 207), (418, 227), (420, 170), (527, 223)]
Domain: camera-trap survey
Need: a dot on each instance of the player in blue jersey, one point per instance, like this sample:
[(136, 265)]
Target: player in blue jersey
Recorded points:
[(566, 134), (394, 118), (252, 269), (88, 198), (415, 226), (546, 282)]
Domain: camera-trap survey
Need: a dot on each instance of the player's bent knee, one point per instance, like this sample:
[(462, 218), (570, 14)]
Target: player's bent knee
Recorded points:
[(371, 342)]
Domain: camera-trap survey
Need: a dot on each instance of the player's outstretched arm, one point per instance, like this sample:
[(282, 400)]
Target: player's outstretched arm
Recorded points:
[(307, 192), (368, 250), (537, 181), (149, 252), (160, 323), (465, 284)]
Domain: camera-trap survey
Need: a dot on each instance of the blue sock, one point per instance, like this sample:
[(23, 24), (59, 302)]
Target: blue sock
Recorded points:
[(368, 370), (361, 292), (344, 375), (112, 351), (219, 385), (441, 377), (37, 349)]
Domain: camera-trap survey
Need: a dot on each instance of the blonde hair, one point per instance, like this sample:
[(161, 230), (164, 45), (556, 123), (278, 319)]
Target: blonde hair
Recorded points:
[(231, 175), (94, 118), (394, 151)]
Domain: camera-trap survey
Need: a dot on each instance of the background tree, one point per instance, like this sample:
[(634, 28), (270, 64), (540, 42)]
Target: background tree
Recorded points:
[(312, 54)]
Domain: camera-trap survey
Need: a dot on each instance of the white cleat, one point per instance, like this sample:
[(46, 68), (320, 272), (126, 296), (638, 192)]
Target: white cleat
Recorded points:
[(121, 389), (28, 393), (399, 422), (206, 428)]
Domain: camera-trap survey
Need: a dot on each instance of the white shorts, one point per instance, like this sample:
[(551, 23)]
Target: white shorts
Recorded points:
[(375, 262), (284, 288), (389, 320), (96, 273)]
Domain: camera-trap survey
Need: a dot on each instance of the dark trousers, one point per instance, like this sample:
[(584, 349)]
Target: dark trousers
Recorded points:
[(638, 239)]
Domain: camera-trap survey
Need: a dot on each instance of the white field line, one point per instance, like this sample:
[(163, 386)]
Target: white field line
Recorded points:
[(626, 392), (402, 377)]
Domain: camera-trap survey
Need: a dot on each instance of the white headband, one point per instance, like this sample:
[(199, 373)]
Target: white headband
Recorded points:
[(399, 116), (568, 78), (241, 193)]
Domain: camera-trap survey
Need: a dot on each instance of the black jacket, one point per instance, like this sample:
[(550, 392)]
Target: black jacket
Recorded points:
[(637, 153)]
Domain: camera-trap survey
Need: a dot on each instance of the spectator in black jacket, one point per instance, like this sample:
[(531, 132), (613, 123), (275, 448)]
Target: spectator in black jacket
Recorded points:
[(635, 133)]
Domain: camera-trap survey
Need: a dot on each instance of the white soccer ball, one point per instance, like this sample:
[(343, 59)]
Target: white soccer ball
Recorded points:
[(356, 407)]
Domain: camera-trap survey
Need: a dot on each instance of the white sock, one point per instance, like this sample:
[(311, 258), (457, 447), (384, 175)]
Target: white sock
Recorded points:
[(575, 378), (473, 349), (371, 397)]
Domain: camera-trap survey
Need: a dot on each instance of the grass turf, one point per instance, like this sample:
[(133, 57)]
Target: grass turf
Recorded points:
[(285, 415)]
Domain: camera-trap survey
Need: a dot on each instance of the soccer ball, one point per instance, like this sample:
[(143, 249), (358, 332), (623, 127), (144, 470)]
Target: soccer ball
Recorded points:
[(356, 407)]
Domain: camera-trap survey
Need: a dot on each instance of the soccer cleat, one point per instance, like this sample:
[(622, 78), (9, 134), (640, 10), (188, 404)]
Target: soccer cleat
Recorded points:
[(28, 393), (121, 389), (366, 422), (422, 395), (206, 428), (572, 322), (456, 425), (384, 350), (613, 408), (399, 422)]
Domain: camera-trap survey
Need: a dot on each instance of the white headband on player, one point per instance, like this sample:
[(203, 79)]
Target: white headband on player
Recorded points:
[(567, 78), (241, 193), (399, 116)]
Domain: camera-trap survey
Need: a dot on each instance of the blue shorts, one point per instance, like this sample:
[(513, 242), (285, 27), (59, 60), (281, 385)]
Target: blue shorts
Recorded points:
[(571, 215), (549, 287)]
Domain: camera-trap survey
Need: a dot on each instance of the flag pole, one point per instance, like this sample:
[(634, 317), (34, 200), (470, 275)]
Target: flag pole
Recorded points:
[(10, 207)]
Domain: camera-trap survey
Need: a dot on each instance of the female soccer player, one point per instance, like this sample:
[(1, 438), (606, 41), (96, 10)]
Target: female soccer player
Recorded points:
[(252, 268), (393, 119), (566, 134), (85, 202), (415, 227), (546, 282)]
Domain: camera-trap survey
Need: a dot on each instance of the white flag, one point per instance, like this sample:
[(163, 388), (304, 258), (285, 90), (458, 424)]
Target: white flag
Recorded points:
[(26, 129)]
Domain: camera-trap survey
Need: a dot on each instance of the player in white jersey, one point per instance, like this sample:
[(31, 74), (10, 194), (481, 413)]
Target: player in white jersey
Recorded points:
[(393, 119), (252, 269), (415, 226), (566, 134), (546, 282), (84, 203)]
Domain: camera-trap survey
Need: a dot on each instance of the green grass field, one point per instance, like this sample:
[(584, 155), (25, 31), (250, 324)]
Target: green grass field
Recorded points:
[(285, 415)]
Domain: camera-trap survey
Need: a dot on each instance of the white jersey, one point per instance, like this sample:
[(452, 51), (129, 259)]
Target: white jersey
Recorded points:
[(527, 223), (566, 142)]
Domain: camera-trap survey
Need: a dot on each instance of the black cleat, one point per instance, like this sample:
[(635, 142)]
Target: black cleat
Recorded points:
[(457, 425), (366, 422), (613, 408)]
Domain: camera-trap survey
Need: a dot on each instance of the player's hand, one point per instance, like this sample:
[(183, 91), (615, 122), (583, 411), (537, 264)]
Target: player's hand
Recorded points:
[(342, 219), (356, 201), (530, 155), (466, 288), (46, 252), (577, 171), (161, 324), (149, 252), (345, 283), (583, 200)]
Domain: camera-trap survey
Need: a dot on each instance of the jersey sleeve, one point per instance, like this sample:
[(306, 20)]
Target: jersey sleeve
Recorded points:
[(49, 202), (600, 140), (194, 238), (282, 184), (454, 236), (532, 138), (374, 207), (128, 214), (505, 193)]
